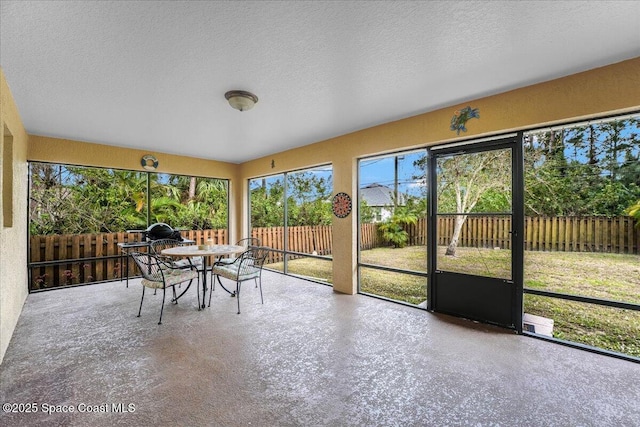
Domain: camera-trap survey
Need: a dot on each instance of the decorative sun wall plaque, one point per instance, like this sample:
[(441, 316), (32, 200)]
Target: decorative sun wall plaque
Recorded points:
[(461, 117), (341, 205), (149, 162)]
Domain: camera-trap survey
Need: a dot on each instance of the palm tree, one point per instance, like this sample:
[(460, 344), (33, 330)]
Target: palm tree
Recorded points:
[(393, 229)]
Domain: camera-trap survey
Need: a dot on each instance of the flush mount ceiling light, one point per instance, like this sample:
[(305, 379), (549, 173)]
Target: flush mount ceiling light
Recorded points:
[(241, 100)]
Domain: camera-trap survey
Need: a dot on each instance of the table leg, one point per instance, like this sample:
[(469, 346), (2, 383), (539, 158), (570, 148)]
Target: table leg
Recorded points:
[(126, 261), (204, 280)]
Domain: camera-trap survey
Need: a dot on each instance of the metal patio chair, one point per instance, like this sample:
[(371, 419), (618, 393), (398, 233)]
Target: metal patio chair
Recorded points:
[(246, 243), (157, 246), (248, 266), (157, 274)]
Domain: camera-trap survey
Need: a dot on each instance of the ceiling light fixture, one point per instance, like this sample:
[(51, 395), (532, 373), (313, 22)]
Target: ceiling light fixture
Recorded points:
[(241, 100)]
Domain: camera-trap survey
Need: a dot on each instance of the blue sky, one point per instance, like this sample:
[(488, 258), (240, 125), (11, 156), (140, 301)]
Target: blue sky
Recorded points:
[(381, 170)]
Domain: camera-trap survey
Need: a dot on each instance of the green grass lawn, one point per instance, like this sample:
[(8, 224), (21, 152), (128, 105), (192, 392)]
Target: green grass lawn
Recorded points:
[(605, 276)]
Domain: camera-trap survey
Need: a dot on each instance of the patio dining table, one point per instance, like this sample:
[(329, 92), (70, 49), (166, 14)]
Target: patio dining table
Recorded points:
[(203, 251)]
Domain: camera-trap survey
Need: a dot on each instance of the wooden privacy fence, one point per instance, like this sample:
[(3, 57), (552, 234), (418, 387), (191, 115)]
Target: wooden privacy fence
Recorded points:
[(317, 240), (477, 232), (309, 239), (570, 234), (370, 238), (59, 260), (582, 234), (564, 234)]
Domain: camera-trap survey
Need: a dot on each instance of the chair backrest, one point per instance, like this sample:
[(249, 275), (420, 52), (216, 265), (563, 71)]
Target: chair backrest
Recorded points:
[(149, 266), (252, 259), (260, 254), (158, 245), (248, 242)]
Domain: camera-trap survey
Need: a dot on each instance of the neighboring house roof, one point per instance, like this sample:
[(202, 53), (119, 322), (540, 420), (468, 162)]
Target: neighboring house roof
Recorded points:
[(380, 195)]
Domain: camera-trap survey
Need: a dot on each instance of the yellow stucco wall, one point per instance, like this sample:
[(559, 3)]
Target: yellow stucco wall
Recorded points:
[(607, 90), (13, 238)]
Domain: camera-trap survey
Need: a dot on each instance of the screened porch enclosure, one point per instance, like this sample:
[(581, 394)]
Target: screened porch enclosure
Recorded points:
[(579, 247)]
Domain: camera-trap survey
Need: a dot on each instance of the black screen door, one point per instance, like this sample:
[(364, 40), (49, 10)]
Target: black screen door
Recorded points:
[(474, 231)]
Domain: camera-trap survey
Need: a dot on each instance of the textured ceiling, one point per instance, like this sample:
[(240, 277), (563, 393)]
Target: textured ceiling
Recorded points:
[(152, 75)]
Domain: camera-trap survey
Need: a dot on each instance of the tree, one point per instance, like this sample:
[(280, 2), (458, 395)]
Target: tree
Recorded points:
[(47, 199), (366, 213), (475, 182), (72, 200), (203, 202), (585, 170), (267, 203), (634, 212), (547, 184), (393, 229), (308, 200), (467, 179)]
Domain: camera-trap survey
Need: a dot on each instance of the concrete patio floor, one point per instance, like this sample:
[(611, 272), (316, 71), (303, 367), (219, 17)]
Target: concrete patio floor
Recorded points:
[(307, 357)]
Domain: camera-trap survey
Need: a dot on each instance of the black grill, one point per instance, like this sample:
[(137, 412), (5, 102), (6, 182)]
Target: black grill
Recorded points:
[(159, 230)]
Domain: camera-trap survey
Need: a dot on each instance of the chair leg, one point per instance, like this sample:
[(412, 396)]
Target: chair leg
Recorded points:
[(174, 295), (213, 283), (141, 299), (211, 291), (164, 292), (198, 291), (260, 281), (238, 294)]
